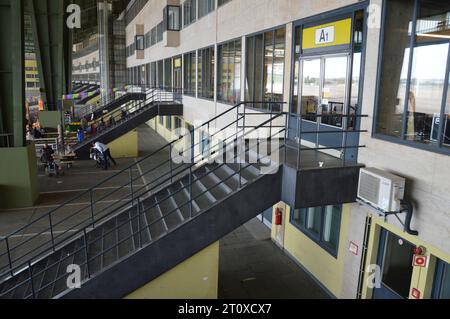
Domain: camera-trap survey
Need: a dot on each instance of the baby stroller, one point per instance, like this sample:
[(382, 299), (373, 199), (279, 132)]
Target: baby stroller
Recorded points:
[(98, 157)]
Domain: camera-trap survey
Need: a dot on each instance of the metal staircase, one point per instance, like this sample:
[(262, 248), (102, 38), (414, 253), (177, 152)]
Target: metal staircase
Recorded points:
[(127, 115), (124, 238)]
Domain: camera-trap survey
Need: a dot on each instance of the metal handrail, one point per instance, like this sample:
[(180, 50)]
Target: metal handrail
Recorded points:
[(140, 229), (89, 192), (169, 178)]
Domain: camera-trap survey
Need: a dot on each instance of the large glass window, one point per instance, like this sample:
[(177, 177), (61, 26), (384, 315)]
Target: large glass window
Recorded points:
[(265, 67), (189, 12), (206, 73), (205, 7), (160, 74), (321, 224), (139, 42), (229, 58), (189, 73), (413, 73)]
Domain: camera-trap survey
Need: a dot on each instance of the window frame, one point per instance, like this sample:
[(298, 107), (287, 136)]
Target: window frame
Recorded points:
[(218, 63), (437, 280), (318, 238), (166, 17), (439, 147)]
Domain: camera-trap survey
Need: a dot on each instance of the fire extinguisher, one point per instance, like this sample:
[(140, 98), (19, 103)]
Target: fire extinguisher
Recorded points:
[(278, 217)]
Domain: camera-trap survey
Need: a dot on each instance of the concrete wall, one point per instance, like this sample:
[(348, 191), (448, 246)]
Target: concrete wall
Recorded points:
[(195, 278), (126, 146), (18, 178)]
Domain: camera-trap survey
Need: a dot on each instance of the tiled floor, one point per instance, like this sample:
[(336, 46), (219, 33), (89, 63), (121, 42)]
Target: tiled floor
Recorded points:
[(253, 267)]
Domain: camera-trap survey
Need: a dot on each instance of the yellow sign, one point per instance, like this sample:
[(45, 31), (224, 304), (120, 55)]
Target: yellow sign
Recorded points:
[(327, 35), (177, 63)]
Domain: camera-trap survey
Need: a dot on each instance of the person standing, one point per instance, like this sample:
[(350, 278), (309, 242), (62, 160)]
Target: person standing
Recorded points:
[(106, 153)]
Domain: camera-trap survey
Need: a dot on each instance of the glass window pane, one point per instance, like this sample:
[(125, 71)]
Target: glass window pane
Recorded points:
[(299, 217), (397, 266), (268, 63), (334, 90), (399, 14), (237, 72), (259, 62), (278, 65), (294, 107), (310, 88), (428, 72), (314, 219), (249, 90), (331, 226), (444, 292)]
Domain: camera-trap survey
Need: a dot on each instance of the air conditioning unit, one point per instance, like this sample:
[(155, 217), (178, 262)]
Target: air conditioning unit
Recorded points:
[(382, 190)]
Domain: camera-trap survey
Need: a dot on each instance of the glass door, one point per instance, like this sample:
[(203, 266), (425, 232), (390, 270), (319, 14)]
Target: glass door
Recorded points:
[(324, 94), (395, 258)]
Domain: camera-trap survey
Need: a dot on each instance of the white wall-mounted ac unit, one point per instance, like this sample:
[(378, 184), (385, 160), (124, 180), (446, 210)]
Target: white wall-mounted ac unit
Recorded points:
[(382, 190)]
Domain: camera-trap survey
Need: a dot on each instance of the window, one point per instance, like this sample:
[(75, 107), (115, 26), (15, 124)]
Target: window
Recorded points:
[(159, 31), (167, 74), (178, 123), (189, 73), (139, 42), (265, 67), (169, 123), (321, 224), (189, 12), (229, 72), (222, 2), (173, 18), (441, 286), (161, 120), (160, 73), (411, 104), (205, 7), (206, 73)]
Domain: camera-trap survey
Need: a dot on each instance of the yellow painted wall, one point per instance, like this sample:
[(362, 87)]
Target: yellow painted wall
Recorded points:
[(195, 278), (327, 269), (126, 146), (422, 278)]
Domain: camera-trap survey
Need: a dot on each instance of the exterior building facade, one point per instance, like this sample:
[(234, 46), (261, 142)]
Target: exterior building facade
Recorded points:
[(387, 60)]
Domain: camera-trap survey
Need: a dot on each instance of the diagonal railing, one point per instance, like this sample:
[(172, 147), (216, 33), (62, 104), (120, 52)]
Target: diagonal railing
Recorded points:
[(78, 216), (242, 132), (58, 225)]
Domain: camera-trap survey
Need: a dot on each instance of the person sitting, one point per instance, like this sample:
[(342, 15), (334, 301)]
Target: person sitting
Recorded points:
[(47, 154)]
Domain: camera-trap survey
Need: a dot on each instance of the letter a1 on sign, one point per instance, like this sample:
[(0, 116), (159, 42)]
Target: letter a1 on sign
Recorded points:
[(325, 35)]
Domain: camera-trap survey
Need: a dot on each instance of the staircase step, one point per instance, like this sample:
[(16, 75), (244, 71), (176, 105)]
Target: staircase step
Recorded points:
[(181, 197), (170, 211), (207, 183), (204, 200), (223, 182), (95, 247), (110, 240), (232, 177), (125, 235), (157, 225)]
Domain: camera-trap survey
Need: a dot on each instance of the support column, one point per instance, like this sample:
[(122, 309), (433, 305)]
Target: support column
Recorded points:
[(18, 177)]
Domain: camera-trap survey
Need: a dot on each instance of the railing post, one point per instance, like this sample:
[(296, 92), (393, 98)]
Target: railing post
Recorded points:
[(86, 252), (51, 231), (131, 186), (92, 207), (9, 256), (171, 163), (139, 223), (30, 270), (190, 192)]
